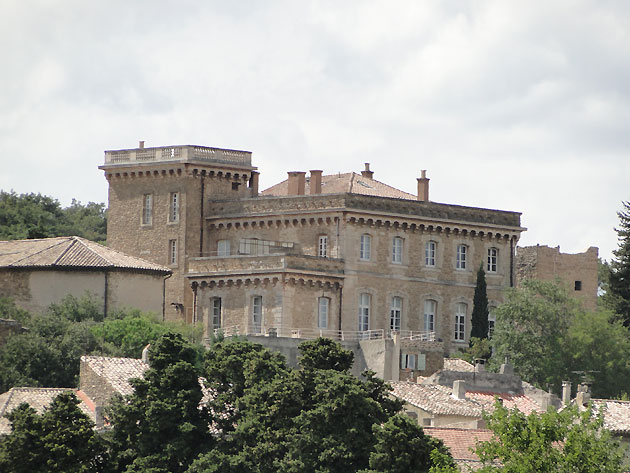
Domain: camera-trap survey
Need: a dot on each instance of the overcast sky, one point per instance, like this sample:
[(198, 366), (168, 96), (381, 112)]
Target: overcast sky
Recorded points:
[(515, 105)]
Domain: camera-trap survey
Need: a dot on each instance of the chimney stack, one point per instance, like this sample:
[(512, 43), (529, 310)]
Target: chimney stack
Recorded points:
[(253, 183), (583, 396), (316, 182), (297, 181), (145, 354), (141, 144), (459, 389), (423, 186), (566, 392), (367, 173)]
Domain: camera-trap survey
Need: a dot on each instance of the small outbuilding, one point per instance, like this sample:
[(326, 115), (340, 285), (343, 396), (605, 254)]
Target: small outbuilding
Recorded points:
[(37, 273)]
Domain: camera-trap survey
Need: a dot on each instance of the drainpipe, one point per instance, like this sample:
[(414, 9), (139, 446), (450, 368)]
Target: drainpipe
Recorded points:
[(201, 217), (512, 262), (106, 295), (340, 304), (164, 296)]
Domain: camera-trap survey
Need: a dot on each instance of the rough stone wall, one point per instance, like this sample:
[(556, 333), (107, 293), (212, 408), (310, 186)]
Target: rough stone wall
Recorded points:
[(94, 385), (548, 264), (15, 284), (478, 381)]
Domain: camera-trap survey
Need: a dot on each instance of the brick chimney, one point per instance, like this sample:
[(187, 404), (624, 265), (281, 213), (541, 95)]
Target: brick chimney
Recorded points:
[(423, 186), (459, 389), (253, 183), (316, 182), (566, 392), (297, 182), (367, 173)]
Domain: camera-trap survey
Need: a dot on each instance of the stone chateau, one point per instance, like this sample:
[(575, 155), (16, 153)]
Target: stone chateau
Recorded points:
[(341, 255)]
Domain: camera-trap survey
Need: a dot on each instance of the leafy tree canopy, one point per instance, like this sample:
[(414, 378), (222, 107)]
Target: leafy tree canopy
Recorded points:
[(28, 216), (548, 338), (61, 440), (555, 442), (617, 296)]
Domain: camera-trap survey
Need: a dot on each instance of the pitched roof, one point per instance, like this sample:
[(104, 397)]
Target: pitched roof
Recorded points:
[(523, 403), (38, 398), (616, 415), (435, 399), (69, 252), (457, 364), (117, 371), (460, 443), (349, 182)]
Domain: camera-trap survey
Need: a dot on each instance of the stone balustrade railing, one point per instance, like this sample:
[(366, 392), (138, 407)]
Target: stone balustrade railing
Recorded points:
[(219, 265), (179, 153)]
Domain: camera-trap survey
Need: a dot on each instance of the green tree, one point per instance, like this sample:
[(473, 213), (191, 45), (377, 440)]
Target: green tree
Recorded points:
[(531, 329), (61, 440), (479, 320), (8, 310), (402, 447), (161, 428), (617, 296), (37, 216), (324, 353), (560, 442)]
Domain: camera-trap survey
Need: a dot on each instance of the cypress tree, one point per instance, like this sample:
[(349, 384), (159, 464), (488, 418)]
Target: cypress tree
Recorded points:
[(618, 291), (480, 307)]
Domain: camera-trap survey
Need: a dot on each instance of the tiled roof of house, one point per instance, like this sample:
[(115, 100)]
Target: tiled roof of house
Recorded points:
[(523, 403), (460, 443), (38, 398), (435, 399), (439, 400), (69, 252), (457, 364), (616, 415), (117, 371), (349, 182)]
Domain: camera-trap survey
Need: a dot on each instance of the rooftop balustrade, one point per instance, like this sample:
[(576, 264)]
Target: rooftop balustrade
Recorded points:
[(183, 153)]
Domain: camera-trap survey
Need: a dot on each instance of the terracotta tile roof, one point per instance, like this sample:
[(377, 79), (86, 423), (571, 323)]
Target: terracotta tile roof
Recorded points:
[(616, 415), (523, 403), (435, 399), (460, 443), (69, 252), (117, 371), (457, 364), (38, 398), (349, 182)]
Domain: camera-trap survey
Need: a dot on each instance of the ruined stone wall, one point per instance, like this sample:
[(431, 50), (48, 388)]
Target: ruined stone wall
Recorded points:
[(578, 272)]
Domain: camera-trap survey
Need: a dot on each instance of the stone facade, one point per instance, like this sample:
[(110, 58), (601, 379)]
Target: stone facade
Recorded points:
[(309, 263), (578, 272)]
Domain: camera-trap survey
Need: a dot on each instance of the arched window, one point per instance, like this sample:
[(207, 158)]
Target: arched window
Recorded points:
[(430, 308), (364, 311), (395, 313), (462, 254), (323, 307), (493, 259), (429, 253), (365, 250), (460, 321)]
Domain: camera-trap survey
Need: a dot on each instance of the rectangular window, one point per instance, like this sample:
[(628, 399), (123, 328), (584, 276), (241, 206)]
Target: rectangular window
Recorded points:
[(397, 250), (365, 251), (577, 285), (223, 248), (364, 312), (216, 313), (172, 252), (257, 313), (173, 207), (430, 307), (147, 209), (322, 312), (322, 247), (395, 313), (460, 321), (429, 253), (462, 251), (492, 318), (408, 361), (493, 255)]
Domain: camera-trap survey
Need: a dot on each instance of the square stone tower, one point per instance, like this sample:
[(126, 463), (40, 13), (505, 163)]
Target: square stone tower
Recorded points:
[(157, 203)]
